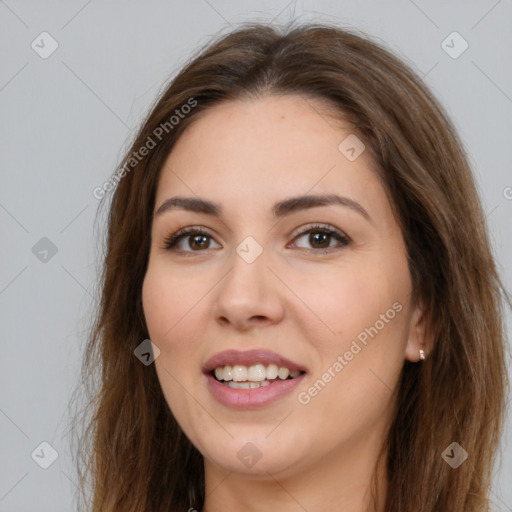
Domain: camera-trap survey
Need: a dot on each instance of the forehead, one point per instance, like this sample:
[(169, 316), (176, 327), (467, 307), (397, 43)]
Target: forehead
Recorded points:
[(252, 152)]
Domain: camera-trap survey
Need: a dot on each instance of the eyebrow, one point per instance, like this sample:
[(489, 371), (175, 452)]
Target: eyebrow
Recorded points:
[(279, 210)]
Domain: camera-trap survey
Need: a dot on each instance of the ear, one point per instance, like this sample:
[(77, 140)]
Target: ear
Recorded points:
[(418, 335)]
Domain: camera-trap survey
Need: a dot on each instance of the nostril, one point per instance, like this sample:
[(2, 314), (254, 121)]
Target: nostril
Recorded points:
[(223, 320)]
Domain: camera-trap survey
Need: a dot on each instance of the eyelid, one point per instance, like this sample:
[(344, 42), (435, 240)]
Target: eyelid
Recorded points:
[(320, 227), (343, 238), (172, 240)]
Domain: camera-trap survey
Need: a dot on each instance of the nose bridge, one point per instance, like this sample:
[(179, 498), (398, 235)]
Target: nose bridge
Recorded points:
[(246, 291), (248, 266)]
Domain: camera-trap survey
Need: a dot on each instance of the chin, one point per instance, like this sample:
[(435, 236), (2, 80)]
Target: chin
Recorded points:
[(255, 455)]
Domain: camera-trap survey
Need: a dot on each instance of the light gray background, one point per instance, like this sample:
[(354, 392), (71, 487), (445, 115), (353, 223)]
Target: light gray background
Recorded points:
[(65, 120)]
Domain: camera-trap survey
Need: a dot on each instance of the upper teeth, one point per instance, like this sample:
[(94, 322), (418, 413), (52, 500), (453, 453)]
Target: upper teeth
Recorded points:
[(254, 373)]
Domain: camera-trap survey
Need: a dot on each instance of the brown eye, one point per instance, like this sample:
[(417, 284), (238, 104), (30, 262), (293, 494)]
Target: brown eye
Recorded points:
[(322, 238), (198, 242), (319, 240), (189, 240)]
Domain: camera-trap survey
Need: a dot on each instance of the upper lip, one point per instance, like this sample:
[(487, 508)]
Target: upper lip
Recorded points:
[(249, 358)]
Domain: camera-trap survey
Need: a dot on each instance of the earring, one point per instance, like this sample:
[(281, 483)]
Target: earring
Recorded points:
[(422, 354)]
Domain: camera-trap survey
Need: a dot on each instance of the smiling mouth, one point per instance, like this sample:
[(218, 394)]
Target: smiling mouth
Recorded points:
[(252, 377)]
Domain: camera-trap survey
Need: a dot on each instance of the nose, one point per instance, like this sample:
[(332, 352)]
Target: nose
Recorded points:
[(249, 295)]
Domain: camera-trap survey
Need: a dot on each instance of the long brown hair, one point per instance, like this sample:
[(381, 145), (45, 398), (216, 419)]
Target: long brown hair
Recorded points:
[(133, 456)]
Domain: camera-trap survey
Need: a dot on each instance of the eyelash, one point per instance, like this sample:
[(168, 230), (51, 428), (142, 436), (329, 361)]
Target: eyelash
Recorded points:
[(171, 241)]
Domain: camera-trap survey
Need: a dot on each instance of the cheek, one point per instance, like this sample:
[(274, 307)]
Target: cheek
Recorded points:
[(170, 302), (170, 318), (361, 348), (348, 300), (364, 317), (171, 310)]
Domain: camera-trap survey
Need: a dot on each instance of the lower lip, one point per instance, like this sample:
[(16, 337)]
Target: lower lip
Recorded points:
[(251, 398)]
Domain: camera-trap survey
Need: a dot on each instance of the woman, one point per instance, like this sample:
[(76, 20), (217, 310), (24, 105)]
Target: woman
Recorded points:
[(296, 230)]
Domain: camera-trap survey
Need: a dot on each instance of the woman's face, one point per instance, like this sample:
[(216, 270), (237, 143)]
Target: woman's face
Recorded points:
[(279, 275)]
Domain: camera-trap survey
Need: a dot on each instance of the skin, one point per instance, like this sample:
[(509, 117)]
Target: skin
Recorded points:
[(295, 299)]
